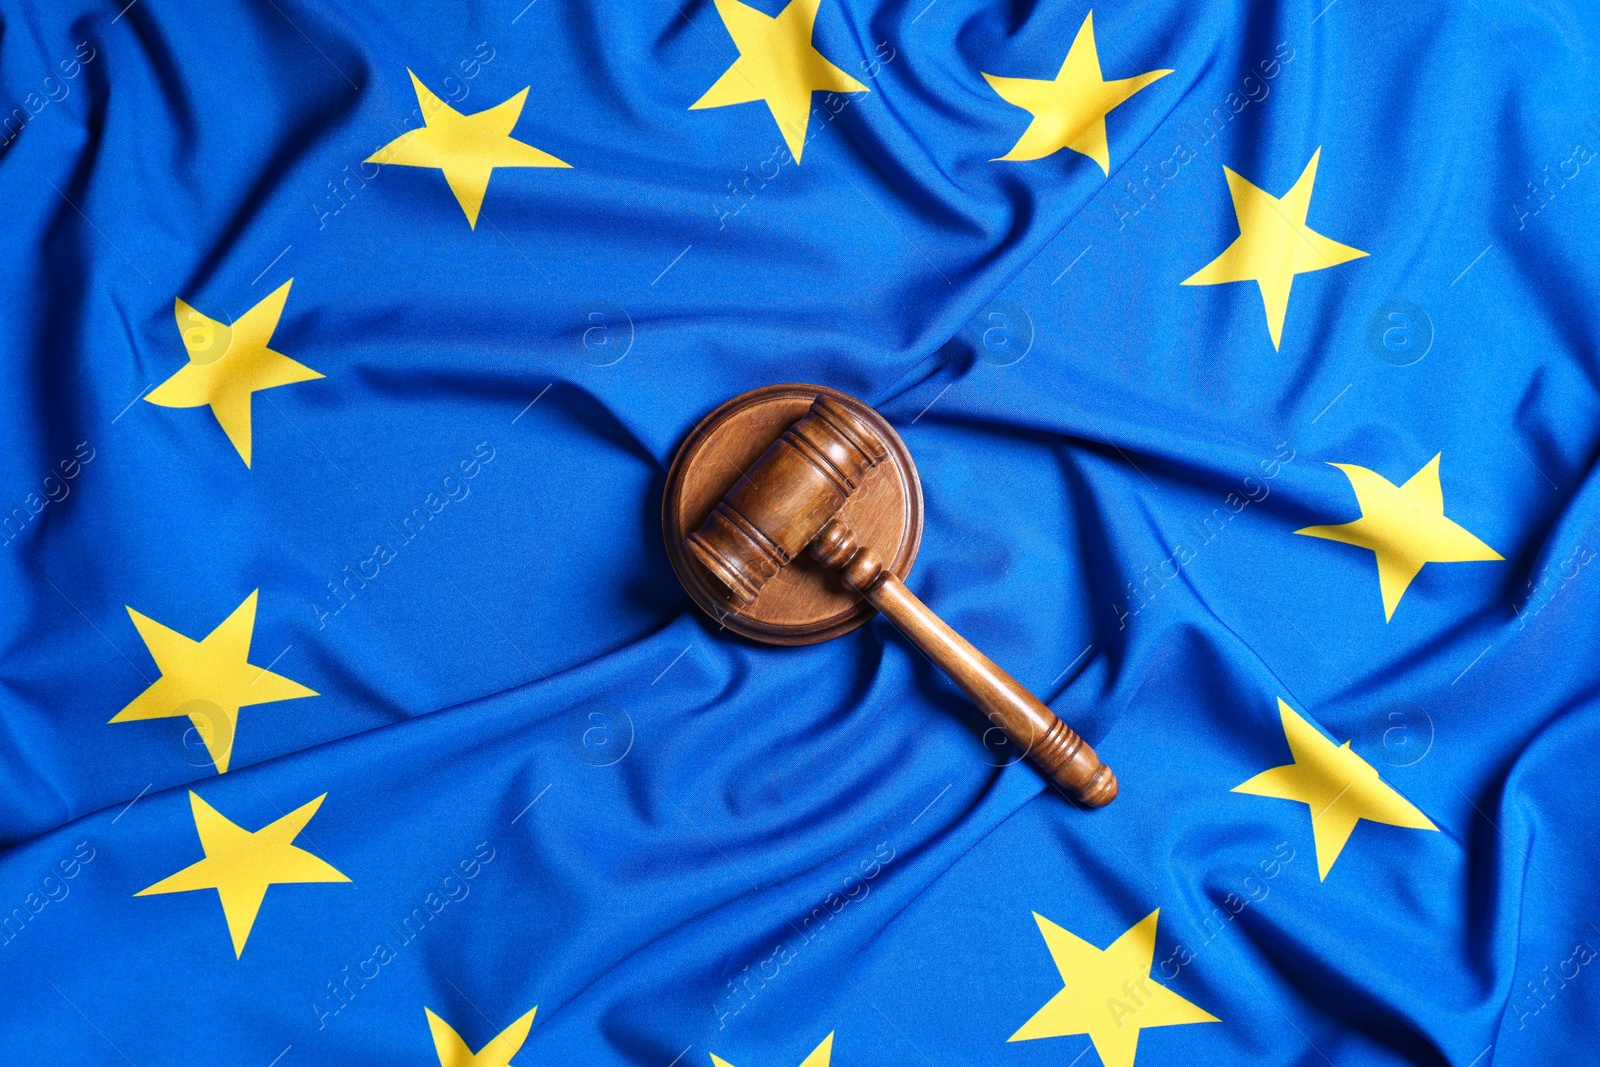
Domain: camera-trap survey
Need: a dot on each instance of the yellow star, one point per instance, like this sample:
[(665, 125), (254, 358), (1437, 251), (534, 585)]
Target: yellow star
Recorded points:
[(777, 64), (453, 1052), (240, 864), (1107, 993), (820, 1056), (209, 680), (466, 147), (1404, 526), (1070, 112), (1274, 244), (228, 363), (1337, 785)]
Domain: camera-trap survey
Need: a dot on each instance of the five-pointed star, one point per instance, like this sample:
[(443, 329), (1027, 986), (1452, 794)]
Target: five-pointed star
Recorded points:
[(466, 147), (453, 1052), (1107, 993), (777, 64), (1070, 111), (209, 680), (1337, 785), (1404, 526), (228, 363), (1274, 244), (240, 864), (820, 1056)]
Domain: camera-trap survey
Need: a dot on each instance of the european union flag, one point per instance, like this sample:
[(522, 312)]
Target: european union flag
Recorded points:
[(350, 710)]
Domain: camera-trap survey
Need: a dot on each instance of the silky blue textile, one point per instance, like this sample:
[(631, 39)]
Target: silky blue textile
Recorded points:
[(548, 780)]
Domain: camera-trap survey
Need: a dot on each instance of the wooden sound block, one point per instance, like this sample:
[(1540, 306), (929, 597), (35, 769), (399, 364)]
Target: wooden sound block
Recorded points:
[(804, 602)]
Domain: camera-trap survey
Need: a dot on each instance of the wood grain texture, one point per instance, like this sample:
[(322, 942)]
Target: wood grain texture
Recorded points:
[(802, 603), (783, 485), (1048, 743)]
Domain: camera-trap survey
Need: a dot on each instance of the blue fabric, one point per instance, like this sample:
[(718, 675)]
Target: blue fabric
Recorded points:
[(675, 842)]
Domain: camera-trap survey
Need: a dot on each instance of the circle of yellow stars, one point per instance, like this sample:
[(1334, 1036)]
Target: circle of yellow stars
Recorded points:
[(1107, 993)]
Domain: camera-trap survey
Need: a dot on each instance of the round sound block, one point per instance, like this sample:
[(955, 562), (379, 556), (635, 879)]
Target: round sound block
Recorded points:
[(804, 603)]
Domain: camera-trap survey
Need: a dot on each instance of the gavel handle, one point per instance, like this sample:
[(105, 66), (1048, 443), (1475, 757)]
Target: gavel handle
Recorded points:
[(1050, 744)]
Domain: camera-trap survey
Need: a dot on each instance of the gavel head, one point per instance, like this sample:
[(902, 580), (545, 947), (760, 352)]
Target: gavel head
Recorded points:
[(784, 500)]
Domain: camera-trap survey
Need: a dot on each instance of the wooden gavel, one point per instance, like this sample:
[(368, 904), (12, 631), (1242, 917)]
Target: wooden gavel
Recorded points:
[(789, 501)]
